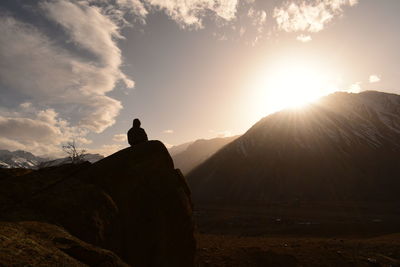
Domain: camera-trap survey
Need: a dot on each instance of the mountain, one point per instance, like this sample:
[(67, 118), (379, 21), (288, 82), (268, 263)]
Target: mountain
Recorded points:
[(92, 158), (344, 147), (198, 151), (24, 159), (19, 159), (132, 207), (179, 148)]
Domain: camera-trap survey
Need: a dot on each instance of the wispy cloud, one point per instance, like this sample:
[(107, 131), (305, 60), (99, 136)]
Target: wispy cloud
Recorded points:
[(303, 38), (169, 131), (53, 76), (374, 78), (192, 12), (119, 138), (225, 133), (308, 16), (69, 79), (355, 88)]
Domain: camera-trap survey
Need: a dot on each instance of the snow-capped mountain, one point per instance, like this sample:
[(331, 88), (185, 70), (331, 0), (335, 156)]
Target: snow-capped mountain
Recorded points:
[(92, 158), (19, 159), (345, 146), (24, 159)]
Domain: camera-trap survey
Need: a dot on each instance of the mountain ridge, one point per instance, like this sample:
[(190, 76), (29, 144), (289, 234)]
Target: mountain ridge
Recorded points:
[(334, 148), (198, 151), (25, 159)]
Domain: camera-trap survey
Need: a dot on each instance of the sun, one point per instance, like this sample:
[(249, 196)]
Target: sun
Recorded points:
[(293, 85), (297, 86)]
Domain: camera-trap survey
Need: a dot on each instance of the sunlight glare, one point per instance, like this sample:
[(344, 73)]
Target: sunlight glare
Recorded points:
[(293, 86)]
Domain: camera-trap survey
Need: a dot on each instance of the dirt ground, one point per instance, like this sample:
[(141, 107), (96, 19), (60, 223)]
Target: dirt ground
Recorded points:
[(282, 234)]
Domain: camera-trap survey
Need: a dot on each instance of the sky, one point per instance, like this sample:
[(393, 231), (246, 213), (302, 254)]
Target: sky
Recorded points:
[(84, 69)]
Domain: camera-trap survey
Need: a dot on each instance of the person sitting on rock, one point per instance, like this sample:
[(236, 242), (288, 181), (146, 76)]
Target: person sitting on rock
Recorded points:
[(136, 134)]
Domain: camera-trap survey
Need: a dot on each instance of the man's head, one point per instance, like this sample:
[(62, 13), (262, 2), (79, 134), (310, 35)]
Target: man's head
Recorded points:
[(136, 123)]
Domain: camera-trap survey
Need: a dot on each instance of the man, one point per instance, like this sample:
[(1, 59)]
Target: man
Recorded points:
[(136, 134)]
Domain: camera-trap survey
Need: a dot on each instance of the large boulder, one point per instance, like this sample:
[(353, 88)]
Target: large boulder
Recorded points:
[(133, 203)]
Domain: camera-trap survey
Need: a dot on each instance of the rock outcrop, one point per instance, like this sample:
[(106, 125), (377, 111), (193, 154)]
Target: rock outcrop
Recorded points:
[(133, 203)]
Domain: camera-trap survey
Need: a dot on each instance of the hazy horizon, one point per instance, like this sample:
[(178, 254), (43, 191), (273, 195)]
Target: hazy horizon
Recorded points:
[(198, 69)]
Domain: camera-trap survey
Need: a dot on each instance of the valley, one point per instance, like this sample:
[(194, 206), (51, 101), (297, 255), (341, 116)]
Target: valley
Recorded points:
[(299, 234)]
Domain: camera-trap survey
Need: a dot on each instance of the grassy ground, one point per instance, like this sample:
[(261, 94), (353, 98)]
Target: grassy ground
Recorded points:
[(281, 234)]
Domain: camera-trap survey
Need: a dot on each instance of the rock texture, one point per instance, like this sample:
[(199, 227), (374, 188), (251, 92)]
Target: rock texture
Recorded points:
[(133, 203), (345, 147)]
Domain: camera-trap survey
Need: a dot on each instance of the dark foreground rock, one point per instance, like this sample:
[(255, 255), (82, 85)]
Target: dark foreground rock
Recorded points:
[(133, 203)]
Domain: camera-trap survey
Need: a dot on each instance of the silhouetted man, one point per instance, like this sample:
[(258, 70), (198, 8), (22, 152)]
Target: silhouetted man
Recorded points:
[(136, 134)]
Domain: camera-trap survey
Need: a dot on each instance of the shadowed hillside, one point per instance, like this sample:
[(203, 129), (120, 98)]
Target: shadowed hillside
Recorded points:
[(345, 147), (198, 151)]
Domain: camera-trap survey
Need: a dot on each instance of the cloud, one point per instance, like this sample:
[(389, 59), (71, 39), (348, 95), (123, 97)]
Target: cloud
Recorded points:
[(221, 133), (169, 131), (303, 38), (50, 75), (119, 138), (259, 16), (192, 12), (59, 65), (355, 88), (374, 78), (224, 134), (308, 16), (40, 132), (66, 79), (133, 6)]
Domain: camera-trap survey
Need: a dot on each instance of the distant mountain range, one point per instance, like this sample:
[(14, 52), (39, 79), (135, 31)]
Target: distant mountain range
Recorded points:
[(19, 159), (344, 147), (189, 155), (24, 159), (174, 150)]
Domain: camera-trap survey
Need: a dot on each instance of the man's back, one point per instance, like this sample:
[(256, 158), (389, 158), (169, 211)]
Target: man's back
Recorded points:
[(136, 135)]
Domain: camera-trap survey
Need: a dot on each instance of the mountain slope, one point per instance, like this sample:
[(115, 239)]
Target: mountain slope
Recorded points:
[(24, 159), (198, 151), (346, 146), (174, 150), (19, 159), (92, 158)]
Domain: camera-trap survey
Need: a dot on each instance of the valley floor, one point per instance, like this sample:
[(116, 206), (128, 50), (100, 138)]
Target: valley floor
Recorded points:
[(281, 234)]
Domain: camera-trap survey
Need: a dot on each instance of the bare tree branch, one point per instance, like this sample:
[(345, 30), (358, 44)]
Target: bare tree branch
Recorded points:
[(75, 155)]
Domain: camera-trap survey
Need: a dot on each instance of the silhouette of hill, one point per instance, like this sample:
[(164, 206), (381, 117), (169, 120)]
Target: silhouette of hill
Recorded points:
[(133, 204), (345, 147), (198, 151)]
